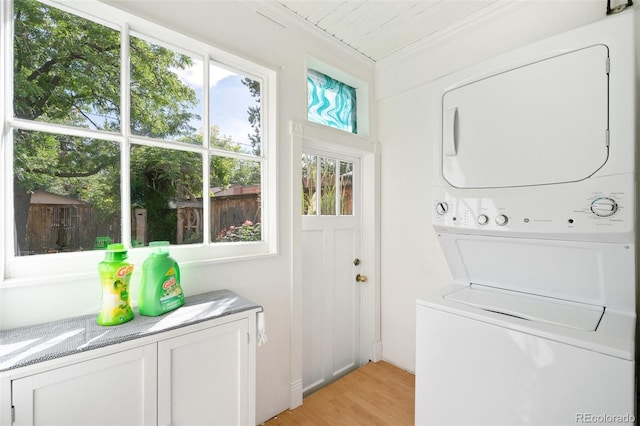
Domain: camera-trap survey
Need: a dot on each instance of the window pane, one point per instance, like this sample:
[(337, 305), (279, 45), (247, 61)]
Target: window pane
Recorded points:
[(236, 213), (234, 111), (346, 188), (166, 93), (67, 69), (328, 186), (309, 185), (66, 193), (166, 196), (331, 102)]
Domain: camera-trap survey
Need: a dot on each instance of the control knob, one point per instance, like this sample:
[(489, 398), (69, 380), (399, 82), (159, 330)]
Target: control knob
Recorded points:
[(483, 219), (502, 220), (604, 206), (442, 208)]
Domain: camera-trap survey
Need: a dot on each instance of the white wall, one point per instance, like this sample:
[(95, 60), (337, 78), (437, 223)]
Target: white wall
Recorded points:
[(411, 258), (236, 27)]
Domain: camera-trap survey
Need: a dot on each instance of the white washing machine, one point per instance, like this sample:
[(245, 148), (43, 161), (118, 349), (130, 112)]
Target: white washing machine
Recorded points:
[(534, 207)]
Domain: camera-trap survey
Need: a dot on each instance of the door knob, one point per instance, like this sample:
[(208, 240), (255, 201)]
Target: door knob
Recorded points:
[(361, 278)]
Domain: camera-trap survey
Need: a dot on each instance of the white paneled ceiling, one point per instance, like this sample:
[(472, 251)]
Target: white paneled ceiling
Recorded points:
[(379, 28)]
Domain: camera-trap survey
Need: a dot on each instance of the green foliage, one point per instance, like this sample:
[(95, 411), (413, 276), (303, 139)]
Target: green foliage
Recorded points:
[(67, 71), (254, 115), (248, 231)]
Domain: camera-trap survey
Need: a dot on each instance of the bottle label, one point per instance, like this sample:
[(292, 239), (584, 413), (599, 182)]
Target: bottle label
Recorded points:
[(171, 290)]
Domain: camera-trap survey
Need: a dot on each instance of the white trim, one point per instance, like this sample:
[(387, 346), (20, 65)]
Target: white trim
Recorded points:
[(377, 351), (306, 136), (295, 397)]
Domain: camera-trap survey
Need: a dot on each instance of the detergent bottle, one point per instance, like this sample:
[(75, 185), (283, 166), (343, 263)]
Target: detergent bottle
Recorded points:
[(115, 274), (160, 289)]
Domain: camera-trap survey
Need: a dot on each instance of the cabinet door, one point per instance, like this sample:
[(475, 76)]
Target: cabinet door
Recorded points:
[(118, 389), (203, 377)]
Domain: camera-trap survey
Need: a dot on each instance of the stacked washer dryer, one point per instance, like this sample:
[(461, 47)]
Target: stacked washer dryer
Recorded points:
[(534, 207)]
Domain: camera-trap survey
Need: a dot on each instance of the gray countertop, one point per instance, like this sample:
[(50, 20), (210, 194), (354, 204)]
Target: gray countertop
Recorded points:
[(42, 342)]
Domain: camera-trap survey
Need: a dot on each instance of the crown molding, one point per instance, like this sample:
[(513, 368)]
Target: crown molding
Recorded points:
[(496, 10), (289, 20)]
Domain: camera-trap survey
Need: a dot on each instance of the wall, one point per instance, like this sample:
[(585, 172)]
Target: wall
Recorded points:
[(238, 28), (411, 257)]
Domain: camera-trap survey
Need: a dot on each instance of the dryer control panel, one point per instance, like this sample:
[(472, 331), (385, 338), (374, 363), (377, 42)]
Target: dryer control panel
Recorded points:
[(568, 211)]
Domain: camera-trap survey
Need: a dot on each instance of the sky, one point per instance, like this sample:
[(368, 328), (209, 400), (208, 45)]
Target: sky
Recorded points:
[(229, 100)]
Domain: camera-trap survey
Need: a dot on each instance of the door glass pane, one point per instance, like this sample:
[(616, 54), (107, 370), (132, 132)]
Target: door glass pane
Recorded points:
[(66, 68), (66, 193), (166, 93), (309, 184), (327, 186), (346, 188), (166, 196), (236, 205)]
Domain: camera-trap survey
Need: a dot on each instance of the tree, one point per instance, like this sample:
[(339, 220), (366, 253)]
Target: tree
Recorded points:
[(254, 114), (67, 71)]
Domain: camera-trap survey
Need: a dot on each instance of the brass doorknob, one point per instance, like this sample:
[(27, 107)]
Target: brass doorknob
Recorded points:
[(361, 278)]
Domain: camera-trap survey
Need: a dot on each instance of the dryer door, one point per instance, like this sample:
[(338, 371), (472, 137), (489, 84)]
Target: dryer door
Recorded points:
[(542, 123)]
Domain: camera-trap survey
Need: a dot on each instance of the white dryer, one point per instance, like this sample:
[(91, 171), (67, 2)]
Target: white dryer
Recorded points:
[(534, 207)]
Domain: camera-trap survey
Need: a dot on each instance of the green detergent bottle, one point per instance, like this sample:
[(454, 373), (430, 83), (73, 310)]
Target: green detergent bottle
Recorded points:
[(115, 274), (160, 290)]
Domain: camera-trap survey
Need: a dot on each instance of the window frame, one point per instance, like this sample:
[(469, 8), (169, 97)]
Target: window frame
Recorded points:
[(16, 269)]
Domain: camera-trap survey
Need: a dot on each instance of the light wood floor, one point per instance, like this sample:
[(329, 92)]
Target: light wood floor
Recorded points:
[(375, 394)]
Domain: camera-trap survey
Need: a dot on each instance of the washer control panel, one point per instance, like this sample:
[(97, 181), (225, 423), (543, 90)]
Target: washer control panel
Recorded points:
[(549, 211)]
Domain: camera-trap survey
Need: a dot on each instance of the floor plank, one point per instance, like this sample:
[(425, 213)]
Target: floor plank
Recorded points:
[(375, 394)]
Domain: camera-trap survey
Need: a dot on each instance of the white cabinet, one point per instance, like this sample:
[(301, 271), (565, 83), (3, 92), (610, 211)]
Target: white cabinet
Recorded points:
[(203, 378), (195, 375), (111, 390)]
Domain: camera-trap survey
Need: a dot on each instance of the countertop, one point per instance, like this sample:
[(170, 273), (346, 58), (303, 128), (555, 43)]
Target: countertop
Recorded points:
[(24, 346)]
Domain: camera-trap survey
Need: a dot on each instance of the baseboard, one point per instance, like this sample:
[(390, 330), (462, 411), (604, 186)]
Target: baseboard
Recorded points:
[(295, 394), (377, 351)]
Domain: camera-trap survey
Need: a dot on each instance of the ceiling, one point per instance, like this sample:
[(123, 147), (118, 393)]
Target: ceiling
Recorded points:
[(380, 28)]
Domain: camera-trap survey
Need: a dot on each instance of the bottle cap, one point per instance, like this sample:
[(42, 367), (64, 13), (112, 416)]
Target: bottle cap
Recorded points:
[(159, 247), (115, 252)]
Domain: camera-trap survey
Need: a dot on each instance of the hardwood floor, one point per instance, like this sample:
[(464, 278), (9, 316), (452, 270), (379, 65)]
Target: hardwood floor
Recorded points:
[(375, 394)]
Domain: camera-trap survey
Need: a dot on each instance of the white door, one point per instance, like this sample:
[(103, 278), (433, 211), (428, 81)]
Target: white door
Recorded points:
[(331, 225)]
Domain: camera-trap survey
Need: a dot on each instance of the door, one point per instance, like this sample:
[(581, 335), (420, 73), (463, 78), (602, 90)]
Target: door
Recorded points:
[(111, 390), (331, 225), (541, 123), (203, 377)]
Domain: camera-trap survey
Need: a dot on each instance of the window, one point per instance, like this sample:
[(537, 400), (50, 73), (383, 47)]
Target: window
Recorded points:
[(331, 102), (327, 186), (117, 136)]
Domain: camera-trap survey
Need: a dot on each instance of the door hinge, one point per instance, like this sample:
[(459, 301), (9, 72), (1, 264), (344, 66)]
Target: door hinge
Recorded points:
[(248, 338), (608, 65), (606, 138), (13, 414)]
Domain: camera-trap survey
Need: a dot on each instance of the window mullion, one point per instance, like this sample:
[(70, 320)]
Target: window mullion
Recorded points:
[(6, 111), (206, 160), (318, 186), (125, 145), (338, 188)]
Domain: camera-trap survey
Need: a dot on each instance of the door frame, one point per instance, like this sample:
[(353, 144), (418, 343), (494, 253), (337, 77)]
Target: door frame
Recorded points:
[(305, 134)]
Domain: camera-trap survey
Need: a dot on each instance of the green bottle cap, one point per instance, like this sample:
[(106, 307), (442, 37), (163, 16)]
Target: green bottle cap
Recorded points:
[(160, 247), (115, 252)]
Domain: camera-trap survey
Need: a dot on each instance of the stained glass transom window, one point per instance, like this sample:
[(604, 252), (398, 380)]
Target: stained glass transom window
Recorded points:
[(331, 102)]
